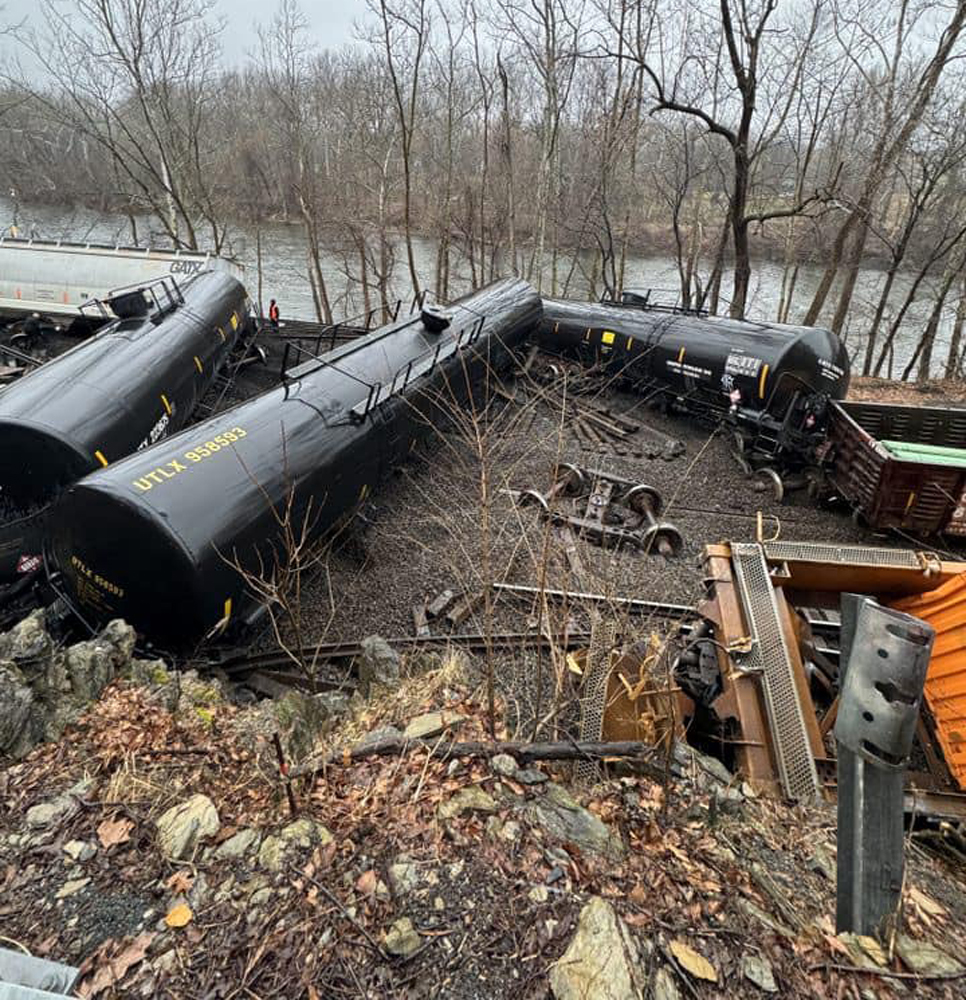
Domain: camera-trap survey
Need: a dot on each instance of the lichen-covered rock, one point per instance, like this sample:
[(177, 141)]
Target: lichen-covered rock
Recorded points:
[(471, 799), (278, 849), (564, 819), (403, 876), (183, 825), (431, 724), (601, 962), (150, 673), (377, 663), (238, 845), (92, 665), (51, 812), (28, 640), (504, 765), (402, 939), (16, 701)]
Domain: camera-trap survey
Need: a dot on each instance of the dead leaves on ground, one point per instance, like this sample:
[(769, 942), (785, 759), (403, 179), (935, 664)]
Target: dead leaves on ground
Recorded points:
[(693, 962), (111, 963), (116, 830)]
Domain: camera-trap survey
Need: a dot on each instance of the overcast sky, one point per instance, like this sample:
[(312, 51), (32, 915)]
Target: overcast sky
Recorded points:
[(331, 20)]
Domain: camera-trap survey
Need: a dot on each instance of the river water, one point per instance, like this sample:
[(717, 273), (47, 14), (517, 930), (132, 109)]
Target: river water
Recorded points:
[(284, 274)]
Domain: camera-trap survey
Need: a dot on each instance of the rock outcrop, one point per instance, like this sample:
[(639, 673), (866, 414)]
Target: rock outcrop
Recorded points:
[(44, 689)]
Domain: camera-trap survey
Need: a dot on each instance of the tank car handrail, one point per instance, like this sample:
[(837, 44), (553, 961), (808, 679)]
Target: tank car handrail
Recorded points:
[(149, 286)]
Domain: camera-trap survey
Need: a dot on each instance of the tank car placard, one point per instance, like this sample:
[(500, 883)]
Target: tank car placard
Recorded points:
[(743, 364)]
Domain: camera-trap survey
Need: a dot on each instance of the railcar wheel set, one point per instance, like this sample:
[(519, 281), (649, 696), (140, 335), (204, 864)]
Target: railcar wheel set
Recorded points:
[(136, 517)]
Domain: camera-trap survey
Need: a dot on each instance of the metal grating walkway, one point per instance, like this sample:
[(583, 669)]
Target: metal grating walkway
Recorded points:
[(769, 655), (842, 555)]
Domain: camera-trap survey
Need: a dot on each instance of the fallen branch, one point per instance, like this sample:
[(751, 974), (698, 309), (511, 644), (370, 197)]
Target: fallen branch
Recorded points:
[(522, 751), (885, 973)]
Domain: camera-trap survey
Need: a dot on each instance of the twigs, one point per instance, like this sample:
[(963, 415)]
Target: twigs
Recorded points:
[(283, 770), (886, 974), (334, 900), (639, 752)]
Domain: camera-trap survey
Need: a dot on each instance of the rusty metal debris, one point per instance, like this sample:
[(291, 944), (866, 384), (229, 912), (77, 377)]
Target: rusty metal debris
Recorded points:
[(779, 744)]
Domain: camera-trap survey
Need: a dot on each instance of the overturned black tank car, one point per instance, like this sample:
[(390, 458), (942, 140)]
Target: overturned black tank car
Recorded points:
[(159, 538), (124, 389), (772, 382)]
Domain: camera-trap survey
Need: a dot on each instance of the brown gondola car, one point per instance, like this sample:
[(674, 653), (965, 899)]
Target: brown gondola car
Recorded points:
[(920, 490)]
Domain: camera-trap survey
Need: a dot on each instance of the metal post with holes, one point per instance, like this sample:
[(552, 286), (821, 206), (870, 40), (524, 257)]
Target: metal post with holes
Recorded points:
[(885, 655)]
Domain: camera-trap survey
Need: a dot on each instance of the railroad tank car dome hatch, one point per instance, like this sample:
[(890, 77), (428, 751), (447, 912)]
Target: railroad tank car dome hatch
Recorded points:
[(436, 318), (166, 557), (130, 385)]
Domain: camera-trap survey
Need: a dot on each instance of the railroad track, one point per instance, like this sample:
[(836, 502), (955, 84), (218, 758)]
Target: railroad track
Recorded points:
[(236, 664)]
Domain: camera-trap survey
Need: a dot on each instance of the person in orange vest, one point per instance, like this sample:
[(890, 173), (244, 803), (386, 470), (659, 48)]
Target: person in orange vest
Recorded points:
[(273, 314)]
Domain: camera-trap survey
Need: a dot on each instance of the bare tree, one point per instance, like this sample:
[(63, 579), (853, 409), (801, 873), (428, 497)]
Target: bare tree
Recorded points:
[(901, 110), (404, 37), (136, 77), (728, 71), (285, 59)]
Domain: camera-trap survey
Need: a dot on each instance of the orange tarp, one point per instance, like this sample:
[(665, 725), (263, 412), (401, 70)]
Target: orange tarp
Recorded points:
[(945, 609)]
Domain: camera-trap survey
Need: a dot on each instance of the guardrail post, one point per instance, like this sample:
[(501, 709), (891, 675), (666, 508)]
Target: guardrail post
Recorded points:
[(285, 354), (884, 658)]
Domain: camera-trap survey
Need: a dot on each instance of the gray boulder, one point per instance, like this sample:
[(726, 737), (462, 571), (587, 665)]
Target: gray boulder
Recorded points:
[(183, 825), (377, 663), (16, 702), (565, 820), (402, 939), (28, 640), (92, 665), (277, 850)]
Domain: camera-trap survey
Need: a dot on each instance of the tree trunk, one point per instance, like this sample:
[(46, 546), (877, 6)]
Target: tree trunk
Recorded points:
[(851, 276), (953, 358), (873, 335)]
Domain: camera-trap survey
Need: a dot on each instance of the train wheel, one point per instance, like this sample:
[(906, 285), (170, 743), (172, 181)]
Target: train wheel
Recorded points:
[(643, 499), (665, 539), (533, 498), (573, 476), (768, 479)]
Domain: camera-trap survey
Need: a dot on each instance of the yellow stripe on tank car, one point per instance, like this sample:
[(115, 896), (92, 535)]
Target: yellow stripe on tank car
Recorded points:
[(630, 341), (167, 405), (608, 337), (99, 455), (556, 328), (587, 334), (364, 492), (221, 333), (681, 355), (199, 365), (909, 503), (761, 381), (234, 321), (227, 617)]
